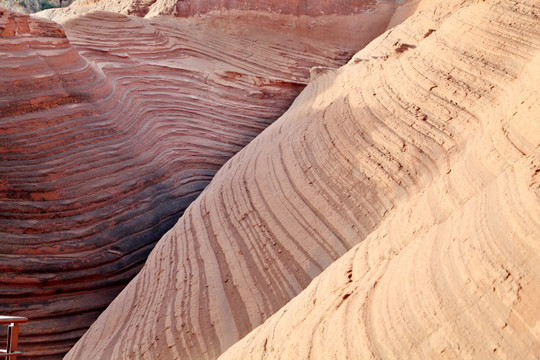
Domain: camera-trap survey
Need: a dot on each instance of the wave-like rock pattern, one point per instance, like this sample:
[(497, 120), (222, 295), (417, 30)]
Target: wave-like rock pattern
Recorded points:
[(101, 153), (294, 7), (425, 144), (453, 274), (185, 8)]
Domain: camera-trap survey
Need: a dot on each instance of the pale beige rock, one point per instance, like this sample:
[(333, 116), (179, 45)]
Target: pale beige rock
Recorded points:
[(425, 146), (452, 274), (454, 271)]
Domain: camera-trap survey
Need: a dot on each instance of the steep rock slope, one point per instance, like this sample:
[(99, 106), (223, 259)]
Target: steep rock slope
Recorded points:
[(453, 274), (100, 154), (428, 141)]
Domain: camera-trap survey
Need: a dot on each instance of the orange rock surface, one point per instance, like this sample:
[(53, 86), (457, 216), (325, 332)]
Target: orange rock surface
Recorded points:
[(416, 166), (107, 137)]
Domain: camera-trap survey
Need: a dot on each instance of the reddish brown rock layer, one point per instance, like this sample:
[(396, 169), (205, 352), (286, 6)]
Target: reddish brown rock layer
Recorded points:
[(101, 153), (426, 145)]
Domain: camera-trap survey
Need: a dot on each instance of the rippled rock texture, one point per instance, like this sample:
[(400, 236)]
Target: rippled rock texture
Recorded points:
[(107, 137), (185, 8), (416, 165)]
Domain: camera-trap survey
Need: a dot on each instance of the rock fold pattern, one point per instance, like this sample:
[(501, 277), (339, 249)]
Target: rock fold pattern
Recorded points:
[(419, 160), (107, 137), (186, 8)]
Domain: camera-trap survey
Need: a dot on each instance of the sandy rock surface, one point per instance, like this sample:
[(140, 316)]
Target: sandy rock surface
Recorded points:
[(186, 8), (419, 160), (451, 274), (107, 134)]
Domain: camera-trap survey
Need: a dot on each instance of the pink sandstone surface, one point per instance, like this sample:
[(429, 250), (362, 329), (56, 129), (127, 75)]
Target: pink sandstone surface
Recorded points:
[(107, 134), (410, 178), (185, 8)]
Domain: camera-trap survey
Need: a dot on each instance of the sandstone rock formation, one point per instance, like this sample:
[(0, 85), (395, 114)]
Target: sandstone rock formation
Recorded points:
[(106, 138), (424, 150), (452, 274), (185, 8)]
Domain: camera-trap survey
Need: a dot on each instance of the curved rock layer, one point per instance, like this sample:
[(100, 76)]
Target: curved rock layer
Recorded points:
[(294, 7), (101, 153), (453, 274), (184, 8), (426, 146)]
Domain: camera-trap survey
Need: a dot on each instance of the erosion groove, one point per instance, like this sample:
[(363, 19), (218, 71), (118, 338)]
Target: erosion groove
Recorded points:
[(107, 137), (420, 158)]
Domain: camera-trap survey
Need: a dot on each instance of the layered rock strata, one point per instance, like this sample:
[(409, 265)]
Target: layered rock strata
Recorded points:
[(105, 140), (185, 8), (452, 274), (425, 150)]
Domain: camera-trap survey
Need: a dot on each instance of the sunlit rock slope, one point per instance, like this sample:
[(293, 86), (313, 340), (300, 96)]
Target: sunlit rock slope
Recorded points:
[(105, 139), (452, 274), (419, 160)]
